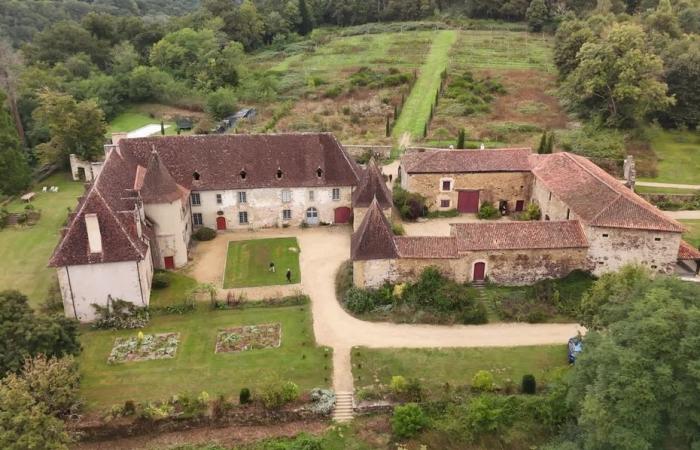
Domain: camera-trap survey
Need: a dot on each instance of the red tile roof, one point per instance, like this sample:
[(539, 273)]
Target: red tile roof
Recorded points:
[(158, 185), (372, 185), (519, 235), (687, 252), (465, 161), (218, 160), (595, 196), (427, 247), (374, 238)]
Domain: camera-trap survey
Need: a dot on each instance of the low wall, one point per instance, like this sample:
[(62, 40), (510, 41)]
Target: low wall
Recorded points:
[(357, 151)]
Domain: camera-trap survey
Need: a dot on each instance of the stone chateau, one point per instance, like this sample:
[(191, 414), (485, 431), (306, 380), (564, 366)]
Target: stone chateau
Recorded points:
[(149, 194)]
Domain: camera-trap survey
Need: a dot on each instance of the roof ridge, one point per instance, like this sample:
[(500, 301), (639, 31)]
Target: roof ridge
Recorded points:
[(121, 225)]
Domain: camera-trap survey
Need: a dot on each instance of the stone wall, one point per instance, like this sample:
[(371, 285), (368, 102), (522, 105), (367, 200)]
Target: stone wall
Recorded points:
[(550, 205), (493, 187), (82, 170), (612, 248), (374, 272), (358, 151), (265, 206)]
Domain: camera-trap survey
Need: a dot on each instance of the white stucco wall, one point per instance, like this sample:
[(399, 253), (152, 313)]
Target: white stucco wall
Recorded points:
[(623, 246), (173, 230), (265, 206), (83, 285)]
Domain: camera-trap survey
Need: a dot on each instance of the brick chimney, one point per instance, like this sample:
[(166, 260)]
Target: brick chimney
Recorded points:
[(93, 231)]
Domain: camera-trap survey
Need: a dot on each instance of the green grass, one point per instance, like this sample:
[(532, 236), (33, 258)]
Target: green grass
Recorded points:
[(175, 293), (477, 49), (678, 154), (25, 251), (435, 367), (132, 119), (196, 367), (247, 262), (692, 236), (416, 111), (664, 190)]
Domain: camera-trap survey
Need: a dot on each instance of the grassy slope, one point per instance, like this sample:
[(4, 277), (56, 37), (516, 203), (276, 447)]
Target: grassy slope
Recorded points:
[(417, 108), (434, 367), (679, 156), (247, 262), (196, 367), (24, 252), (693, 234), (502, 50)]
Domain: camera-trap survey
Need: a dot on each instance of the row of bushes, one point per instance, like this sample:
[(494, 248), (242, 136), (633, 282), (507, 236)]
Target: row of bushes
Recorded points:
[(432, 298), (411, 205), (472, 94)]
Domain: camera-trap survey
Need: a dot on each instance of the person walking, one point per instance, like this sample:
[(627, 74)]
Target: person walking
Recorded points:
[(272, 267), (289, 275)]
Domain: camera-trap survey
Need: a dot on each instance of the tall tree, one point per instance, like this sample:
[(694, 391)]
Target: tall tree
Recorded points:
[(619, 79), (537, 15), (683, 77), (15, 174), (74, 127), (10, 69), (306, 25)]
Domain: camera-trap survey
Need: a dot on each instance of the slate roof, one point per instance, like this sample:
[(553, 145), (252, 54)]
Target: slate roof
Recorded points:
[(687, 252), (374, 238), (372, 185), (518, 235), (596, 197), (467, 161), (427, 247), (219, 160)]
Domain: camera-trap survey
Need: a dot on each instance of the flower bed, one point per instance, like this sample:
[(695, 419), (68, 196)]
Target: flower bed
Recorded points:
[(151, 346), (249, 337)]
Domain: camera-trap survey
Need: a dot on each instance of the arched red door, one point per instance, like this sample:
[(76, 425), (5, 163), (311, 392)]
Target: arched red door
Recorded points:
[(221, 223), (479, 271)]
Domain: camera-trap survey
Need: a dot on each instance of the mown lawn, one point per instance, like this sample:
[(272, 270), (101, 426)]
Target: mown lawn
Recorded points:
[(678, 154), (416, 111), (133, 119), (25, 251), (247, 262), (436, 366), (663, 190), (196, 367), (175, 293), (692, 236)]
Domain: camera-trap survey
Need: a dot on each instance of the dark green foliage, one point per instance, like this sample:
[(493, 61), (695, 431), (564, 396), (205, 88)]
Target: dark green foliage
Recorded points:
[(305, 23), (244, 396), (119, 314), (537, 15), (487, 211), (204, 234), (408, 420), (682, 61), (24, 334), (474, 94), (425, 128), (411, 205), (461, 136), (373, 79), (594, 143), (528, 384), (15, 174), (362, 301), (161, 280), (221, 103), (546, 145)]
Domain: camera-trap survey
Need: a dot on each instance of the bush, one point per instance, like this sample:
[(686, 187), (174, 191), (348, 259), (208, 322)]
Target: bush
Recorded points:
[(408, 420), (532, 212), (221, 103), (343, 279), (204, 234), (593, 142), (119, 314), (529, 385), (161, 280), (398, 384), (276, 394), (397, 229), (410, 205), (483, 381), (488, 211), (361, 301), (244, 396), (323, 401)]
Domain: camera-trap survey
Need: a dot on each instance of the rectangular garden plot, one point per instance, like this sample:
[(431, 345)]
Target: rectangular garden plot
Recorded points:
[(249, 337), (151, 346)]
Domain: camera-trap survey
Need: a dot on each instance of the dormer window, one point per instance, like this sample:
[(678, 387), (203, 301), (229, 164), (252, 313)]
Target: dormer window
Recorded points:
[(279, 174), (243, 174), (319, 172), (196, 176)]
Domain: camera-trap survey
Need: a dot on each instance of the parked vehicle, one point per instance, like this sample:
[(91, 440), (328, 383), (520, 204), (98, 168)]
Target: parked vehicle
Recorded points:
[(575, 347)]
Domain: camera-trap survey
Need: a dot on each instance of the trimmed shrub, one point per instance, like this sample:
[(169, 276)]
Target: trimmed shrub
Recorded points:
[(161, 280), (408, 420), (276, 394), (529, 385), (398, 384), (488, 211), (244, 396), (483, 381), (204, 234)]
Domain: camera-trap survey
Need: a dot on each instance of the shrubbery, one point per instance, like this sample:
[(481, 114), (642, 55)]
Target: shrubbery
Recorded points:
[(473, 94), (488, 211), (275, 394), (204, 234), (119, 314), (244, 396), (529, 384), (408, 420), (410, 204), (161, 280), (483, 381), (367, 77)]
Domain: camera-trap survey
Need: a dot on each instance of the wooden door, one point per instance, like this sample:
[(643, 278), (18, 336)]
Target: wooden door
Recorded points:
[(169, 262), (519, 205), (479, 271), (221, 223), (468, 201), (342, 214)]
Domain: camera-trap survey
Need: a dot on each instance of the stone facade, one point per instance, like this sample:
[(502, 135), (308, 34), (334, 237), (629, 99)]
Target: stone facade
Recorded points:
[(493, 187), (552, 208), (265, 207), (85, 284)]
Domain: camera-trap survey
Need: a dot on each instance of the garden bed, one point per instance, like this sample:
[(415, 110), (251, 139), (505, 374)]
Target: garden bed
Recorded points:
[(249, 337), (151, 346)]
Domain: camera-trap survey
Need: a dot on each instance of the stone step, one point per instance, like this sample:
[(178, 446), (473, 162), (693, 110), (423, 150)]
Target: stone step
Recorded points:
[(344, 404)]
